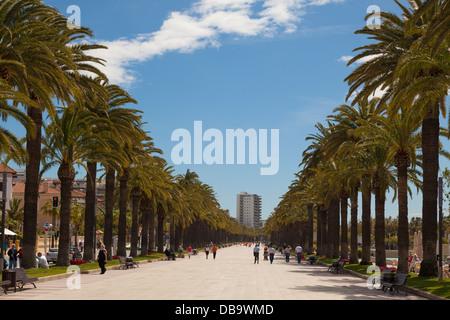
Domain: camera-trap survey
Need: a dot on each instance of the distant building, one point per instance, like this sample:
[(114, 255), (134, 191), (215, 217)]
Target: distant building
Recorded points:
[(248, 209)]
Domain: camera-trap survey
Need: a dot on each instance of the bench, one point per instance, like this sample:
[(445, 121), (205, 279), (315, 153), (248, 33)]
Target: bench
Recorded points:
[(22, 278), (336, 266), (131, 262), (399, 282), (126, 263), (169, 255), (312, 259), (5, 285)]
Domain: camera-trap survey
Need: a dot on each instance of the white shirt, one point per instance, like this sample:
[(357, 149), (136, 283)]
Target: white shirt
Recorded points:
[(272, 250), (43, 262), (298, 249)]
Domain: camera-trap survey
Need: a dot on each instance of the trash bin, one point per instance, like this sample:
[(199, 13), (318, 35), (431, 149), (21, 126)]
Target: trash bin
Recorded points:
[(11, 276)]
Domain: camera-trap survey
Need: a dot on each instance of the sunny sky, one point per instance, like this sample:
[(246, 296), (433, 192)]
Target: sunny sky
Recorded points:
[(232, 64)]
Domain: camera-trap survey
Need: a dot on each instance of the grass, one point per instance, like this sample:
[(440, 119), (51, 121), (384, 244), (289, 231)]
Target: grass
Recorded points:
[(427, 284), (54, 270)]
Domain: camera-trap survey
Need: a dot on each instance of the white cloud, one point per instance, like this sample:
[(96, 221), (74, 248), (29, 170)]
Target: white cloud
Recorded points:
[(201, 26), (346, 59)]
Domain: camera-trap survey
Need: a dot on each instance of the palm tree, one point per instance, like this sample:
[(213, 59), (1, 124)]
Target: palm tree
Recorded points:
[(414, 78), (36, 60), (67, 143), (399, 134)]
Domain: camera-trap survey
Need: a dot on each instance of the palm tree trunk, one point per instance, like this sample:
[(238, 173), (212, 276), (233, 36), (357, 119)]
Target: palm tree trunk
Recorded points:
[(354, 226), (403, 235), (89, 212), (324, 214), (310, 230), (123, 197), (365, 219), (109, 207), (32, 190), (160, 232), (344, 228), (66, 174), (319, 230), (145, 210), (135, 196), (380, 250), (151, 228), (430, 166)]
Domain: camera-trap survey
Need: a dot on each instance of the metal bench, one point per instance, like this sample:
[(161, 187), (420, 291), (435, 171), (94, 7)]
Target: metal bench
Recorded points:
[(5, 285), (22, 278), (399, 282)]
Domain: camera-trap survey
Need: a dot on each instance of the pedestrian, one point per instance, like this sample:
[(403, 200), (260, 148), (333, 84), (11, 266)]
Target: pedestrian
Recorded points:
[(19, 257), (287, 252), (214, 251), (189, 251), (266, 253), (256, 253), (299, 250), (207, 251), (12, 254), (102, 258), (81, 246), (42, 263), (271, 254)]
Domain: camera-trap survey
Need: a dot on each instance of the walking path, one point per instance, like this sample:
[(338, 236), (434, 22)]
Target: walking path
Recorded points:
[(231, 276)]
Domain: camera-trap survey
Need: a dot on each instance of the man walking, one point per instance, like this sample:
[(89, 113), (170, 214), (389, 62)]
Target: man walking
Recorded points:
[(256, 253), (271, 254), (299, 250)]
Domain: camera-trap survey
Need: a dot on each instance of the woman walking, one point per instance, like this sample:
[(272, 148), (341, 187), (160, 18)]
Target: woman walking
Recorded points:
[(102, 258), (207, 251)]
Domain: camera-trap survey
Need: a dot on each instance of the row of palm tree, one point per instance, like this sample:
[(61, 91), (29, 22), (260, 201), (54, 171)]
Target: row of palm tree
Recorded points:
[(75, 118), (378, 144)]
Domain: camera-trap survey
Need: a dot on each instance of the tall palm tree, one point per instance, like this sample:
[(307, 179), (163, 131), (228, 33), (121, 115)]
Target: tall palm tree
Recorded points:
[(37, 61), (67, 143), (415, 78)]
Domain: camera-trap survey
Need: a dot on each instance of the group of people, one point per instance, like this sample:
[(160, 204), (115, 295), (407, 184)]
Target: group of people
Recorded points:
[(269, 252), (15, 259)]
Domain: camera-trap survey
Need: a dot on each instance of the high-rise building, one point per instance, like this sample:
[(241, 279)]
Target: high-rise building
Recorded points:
[(248, 209)]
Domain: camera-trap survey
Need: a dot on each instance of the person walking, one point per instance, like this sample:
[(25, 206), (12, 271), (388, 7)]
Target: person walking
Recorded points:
[(12, 254), (207, 251), (299, 250), (287, 253), (102, 258), (271, 254), (214, 251), (189, 251), (256, 253)]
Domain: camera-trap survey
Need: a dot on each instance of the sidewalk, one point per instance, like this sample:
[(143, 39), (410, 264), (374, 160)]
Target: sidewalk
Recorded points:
[(231, 276)]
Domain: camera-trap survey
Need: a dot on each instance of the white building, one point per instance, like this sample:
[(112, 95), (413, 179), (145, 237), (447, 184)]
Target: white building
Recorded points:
[(248, 209)]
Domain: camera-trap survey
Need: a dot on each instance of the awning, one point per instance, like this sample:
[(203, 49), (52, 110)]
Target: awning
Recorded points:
[(8, 232)]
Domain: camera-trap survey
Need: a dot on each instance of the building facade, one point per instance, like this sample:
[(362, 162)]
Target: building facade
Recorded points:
[(248, 209)]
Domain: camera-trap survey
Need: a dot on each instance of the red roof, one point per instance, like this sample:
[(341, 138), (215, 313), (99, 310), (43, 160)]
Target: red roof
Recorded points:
[(4, 167)]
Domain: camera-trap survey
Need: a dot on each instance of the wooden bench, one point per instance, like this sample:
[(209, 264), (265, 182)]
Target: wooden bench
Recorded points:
[(131, 262), (22, 278), (5, 285)]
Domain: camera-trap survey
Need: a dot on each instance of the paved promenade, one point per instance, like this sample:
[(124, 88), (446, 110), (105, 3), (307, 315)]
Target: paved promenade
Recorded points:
[(231, 276)]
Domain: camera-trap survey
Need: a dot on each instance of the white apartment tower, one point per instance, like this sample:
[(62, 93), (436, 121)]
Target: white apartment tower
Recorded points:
[(248, 209)]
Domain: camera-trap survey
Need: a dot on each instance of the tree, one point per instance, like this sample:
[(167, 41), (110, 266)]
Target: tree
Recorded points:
[(67, 143)]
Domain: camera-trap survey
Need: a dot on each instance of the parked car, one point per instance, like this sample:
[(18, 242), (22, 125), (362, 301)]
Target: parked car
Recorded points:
[(74, 254), (52, 255)]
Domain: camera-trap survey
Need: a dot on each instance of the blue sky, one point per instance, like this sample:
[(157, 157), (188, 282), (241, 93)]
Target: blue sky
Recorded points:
[(262, 64)]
